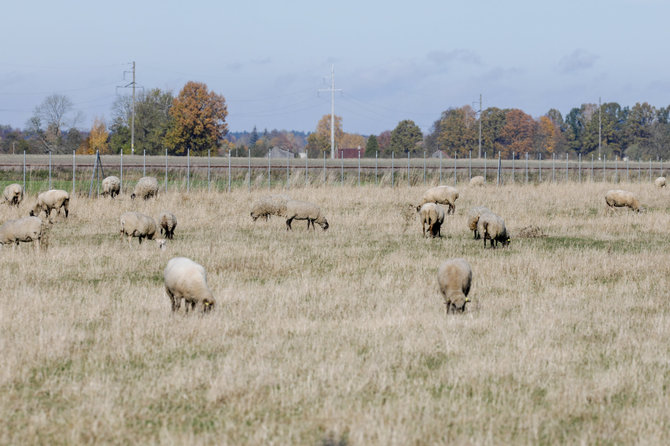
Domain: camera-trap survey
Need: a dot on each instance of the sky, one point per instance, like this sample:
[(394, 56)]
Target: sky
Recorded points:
[(392, 60)]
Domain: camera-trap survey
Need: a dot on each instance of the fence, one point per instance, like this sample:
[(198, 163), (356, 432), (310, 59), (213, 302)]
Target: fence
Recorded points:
[(82, 175)]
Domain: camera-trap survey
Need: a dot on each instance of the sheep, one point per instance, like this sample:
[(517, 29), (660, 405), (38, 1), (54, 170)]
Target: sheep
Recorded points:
[(168, 222), (659, 182), (26, 229), (303, 210), (135, 224), (446, 195), (185, 279), (145, 188), (51, 199), (431, 214), (455, 279), (473, 219), (13, 194), (111, 186), (621, 198), (492, 227), (269, 205), (477, 181)]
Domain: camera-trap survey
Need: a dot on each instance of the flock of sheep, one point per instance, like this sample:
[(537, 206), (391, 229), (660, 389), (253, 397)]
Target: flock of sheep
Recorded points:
[(186, 280)]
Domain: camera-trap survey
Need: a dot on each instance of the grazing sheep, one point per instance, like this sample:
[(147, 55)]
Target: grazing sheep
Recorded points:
[(455, 278), (659, 182), (621, 198), (185, 279), (13, 194), (303, 210), (135, 224), (432, 215), (492, 227), (473, 219), (26, 229), (111, 186), (51, 199), (477, 181), (269, 205), (145, 188), (167, 222), (446, 195)]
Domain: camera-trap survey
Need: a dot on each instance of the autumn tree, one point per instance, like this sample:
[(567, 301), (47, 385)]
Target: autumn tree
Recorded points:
[(384, 141), (457, 130), (317, 145), (406, 138), (199, 120), (518, 133), (323, 129), (352, 141), (98, 138), (493, 123)]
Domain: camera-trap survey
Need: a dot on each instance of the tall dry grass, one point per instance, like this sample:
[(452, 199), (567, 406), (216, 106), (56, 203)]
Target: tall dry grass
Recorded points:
[(341, 337)]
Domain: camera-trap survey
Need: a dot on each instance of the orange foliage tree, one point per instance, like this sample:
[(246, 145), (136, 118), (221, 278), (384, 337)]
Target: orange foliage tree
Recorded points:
[(98, 139), (199, 120), (518, 133)]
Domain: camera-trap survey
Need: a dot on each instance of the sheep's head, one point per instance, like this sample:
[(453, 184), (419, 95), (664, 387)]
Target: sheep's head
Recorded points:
[(162, 244), (254, 215), (323, 223), (35, 210), (207, 305), (506, 241), (132, 196), (458, 303)]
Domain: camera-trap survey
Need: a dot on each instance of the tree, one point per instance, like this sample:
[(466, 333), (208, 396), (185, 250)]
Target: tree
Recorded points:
[(457, 130), (253, 138), (518, 133), (199, 120), (406, 137), (152, 121), (323, 129), (384, 140), (548, 135), (352, 141), (98, 137), (493, 123), (317, 145), (371, 146), (51, 119)]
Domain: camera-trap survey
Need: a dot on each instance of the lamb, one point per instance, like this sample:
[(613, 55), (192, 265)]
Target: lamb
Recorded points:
[(185, 279), (13, 194), (455, 278), (145, 188), (492, 227), (431, 214), (621, 198), (659, 182), (446, 195), (168, 222), (135, 224), (51, 199), (303, 210), (26, 229), (477, 181), (473, 219), (269, 205), (111, 186)]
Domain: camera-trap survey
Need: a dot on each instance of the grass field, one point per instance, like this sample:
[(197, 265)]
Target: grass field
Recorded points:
[(341, 337)]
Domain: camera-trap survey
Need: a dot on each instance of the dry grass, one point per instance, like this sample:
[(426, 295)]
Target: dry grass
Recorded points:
[(341, 337)]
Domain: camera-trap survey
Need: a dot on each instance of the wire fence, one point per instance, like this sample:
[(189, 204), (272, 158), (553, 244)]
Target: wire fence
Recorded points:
[(83, 174)]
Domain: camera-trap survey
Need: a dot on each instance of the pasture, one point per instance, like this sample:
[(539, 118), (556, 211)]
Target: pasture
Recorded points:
[(341, 337)]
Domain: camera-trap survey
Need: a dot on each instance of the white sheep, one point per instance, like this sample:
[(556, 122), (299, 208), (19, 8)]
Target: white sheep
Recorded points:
[(473, 219), (145, 188), (13, 194), (446, 195), (185, 279), (659, 182), (454, 278), (622, 198), (111, 186), (51, 199), (303, 210), (477, 181), (431, 215), (26, 229), (269, 205), (167, 222), (135, 224), (492, 227)]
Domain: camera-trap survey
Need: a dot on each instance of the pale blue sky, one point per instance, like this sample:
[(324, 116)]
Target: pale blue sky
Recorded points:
[(393, 60)]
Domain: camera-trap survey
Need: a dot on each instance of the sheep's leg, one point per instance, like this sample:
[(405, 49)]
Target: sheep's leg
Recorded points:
[(288, 224)]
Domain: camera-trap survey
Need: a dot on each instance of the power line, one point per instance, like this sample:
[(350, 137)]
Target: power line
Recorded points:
[(332, 109)]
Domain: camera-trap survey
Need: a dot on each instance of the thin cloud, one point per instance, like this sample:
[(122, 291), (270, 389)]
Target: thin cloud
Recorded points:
[(578, 60), (447, 57)]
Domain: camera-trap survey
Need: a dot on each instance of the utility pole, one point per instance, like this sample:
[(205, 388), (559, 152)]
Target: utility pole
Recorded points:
[(332, 109), (132, 84), (479, 112), (600, 126)]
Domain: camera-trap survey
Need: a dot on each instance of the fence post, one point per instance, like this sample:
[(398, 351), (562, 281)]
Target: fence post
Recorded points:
[(144, 163), (424, 167), (539, 166), (660, 169), (616, 169), (639, 170), (553, 167), (513, 156), (580, 167), (166, 171), (485, 166), (74, 163), (306, 167), (455, 177), (324, 167), (50, 169), (499, 166), (376, 161), (121, 169), (604, 161), (593, 178), (209, 171), (470, 166), (408, 180), (188, 170), (342, 168), (526, 167), (359, 167), (392, 173), (288, 171), (269, 168), (248, 167), (567, 167), (24, 171), (229, 172), (627, 171), (97, 175), (440, 167)]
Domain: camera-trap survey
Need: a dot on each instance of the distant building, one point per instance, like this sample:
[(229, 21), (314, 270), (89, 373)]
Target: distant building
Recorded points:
[(276, 152), (350, 153), (439, 153)]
